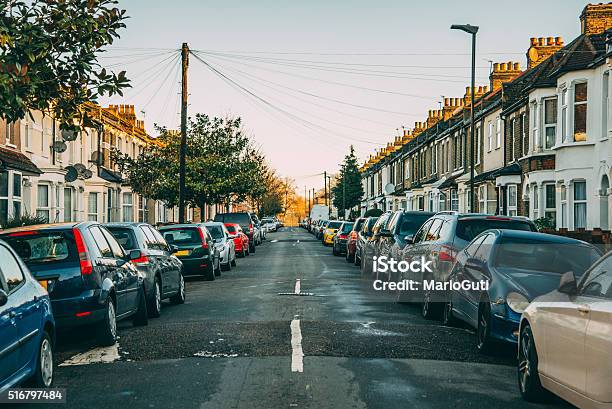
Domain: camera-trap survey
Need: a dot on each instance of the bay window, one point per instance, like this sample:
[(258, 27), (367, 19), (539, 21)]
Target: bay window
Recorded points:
[(580, 205), (580, 112), (550, 122), (43, 210), (533, 115), (564, 115), (128, 207), (68, 206), (536, 202), (92, 207), (523, 135), (512, 200), (550, 202), (563, 195), (454, 200)]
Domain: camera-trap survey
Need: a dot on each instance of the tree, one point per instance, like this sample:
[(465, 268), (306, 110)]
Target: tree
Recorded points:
[(48, 56), (348, 191)]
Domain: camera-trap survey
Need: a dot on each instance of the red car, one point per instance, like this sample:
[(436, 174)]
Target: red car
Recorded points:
[(241, 240), (351, 244)]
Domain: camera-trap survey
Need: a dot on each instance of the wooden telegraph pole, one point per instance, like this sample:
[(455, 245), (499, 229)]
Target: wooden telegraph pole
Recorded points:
[(183, 148)]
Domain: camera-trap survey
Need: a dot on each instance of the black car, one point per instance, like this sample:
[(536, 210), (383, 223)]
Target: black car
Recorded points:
[(369, 248), (246, 223), (195, 248), (163, 276), (341, 238), (518, 267), (89, 277), (362, 238), (353, 236)]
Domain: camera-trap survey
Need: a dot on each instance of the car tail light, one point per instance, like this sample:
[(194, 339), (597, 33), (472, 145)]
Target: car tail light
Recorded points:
[(498, 218), (22, 233), (84, 261), (251, 228), (342, 236), (82, 314), (446, 254), (141, 261), (203, 237), (353, 235)]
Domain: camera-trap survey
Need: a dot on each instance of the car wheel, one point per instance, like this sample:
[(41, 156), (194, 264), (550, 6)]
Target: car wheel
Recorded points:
[(448, 318), (335, 251), (107, 329), (227, 266), (43, 375), (429, 309), (141, 318), (483, 332), (356, 260), (179, 298), (528, 376), (154, 305), (251, 248), (234, 260), (209, 273)]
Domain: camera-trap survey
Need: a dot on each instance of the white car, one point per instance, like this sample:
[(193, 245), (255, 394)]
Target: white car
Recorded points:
[(269, 224), (565, 343), (225, 243)]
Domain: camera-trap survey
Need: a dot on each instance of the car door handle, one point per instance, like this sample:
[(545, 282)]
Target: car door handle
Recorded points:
[(584, 309)]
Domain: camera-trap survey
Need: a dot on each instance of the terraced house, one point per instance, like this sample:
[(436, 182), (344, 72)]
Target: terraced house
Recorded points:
[(63, 177), (542, 139)]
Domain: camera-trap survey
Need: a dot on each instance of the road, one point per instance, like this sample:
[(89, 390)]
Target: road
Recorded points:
[(236, 343)]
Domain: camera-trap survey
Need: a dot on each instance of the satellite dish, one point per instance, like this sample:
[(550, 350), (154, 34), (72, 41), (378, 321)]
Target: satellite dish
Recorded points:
[(389, 188), (80, 168), (95, 157), (87, 174), (71, 174), (69, 135), (59, 146)]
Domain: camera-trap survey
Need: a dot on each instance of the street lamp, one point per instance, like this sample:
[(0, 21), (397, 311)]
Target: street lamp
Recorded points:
[(471, 30)]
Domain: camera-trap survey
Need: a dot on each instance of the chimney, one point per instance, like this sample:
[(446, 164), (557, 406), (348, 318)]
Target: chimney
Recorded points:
[(542, 48), (478, 93), (596, 18), (504, 72), (407, 136), (418, 128), (450, 105)]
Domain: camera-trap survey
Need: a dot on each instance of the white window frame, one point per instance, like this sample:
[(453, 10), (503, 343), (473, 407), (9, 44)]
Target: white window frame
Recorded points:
[(512, 209), (27, 133), (580, 103), (563, 118), (498, 132), (490, 127), (550, 210), (93, 215), (549, 125), (523, 134), (478, 141), (482, 198), (605, 110), (454, 200), (582, 202), (68, 216), (533, 123), (563, 196), (536, 201), (11, 135), (43, 210), (128, 206)]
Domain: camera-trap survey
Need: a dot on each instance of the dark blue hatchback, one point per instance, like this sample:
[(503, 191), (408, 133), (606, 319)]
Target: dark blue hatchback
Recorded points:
[(27, 328)]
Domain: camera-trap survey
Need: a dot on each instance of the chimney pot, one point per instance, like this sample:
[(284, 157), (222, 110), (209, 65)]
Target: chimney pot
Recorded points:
[(517, 66), (541, 41), (550, 41), (558, 40), (503, 66), (534, 41)]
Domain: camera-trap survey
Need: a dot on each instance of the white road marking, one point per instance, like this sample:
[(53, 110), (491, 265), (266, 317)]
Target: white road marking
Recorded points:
[(297, 356), (103, 355), (274, 241), (297, 286)]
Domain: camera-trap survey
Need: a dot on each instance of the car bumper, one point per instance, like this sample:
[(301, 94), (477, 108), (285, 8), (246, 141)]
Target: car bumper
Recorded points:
[(505, 327), (341, 246), (195, 266), (328, 239), (351, 247), (85, 309)]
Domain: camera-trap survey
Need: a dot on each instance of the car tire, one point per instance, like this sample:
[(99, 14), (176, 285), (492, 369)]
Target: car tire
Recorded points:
[(154, 302), (43, 374), (429, 310), (234, 261), (209, 273), (448, 318), (179, 297), (141, 318), (356, 260), (227, 266), (251, 248), (527, 368), (484, 343), (334, 251), (106, 331)]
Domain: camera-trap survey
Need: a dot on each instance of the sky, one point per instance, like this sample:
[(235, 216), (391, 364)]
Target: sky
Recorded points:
[(311, 78)]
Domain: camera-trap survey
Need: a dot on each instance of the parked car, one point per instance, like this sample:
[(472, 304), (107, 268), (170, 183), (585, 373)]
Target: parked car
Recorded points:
[(89, 277), (351, 242), (27, 327), (259, 233), (391, 239), (163, 275), (241, 240), (225, 244), (371, 244), (440, 240), (269, 224), (244, 220), (330, 231), (362, 238), (518, 267), (195, 248), (341, 237), (321, 229), (565, 343)]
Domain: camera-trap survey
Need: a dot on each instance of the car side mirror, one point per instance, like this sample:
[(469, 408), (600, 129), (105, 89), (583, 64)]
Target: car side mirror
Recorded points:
[(173, 248), (385, 233), (409, 239), (3, 298), (134, 254), (474, 264), (568, 284)]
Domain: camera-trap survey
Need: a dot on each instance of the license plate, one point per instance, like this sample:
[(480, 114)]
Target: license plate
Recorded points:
[(182, 253), (44, 283)]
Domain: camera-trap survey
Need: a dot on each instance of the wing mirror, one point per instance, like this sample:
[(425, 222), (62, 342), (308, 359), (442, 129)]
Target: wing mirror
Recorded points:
[(3, 298), (409, 239), (385, 233), (173, 248), (568, 284), (474, 264)]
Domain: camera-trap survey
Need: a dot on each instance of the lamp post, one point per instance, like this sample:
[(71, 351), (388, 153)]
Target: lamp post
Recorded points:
[(471, 30)]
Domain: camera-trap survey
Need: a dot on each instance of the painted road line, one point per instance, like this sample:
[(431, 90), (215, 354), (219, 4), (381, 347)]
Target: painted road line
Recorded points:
[(297, 356), (274, 241), (101, 355), (297, 286)]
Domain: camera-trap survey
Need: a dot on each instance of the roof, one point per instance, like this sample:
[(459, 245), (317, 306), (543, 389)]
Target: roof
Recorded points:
[(110, 175), (513, 169), (450, 182), (488, 175), (12, 159)]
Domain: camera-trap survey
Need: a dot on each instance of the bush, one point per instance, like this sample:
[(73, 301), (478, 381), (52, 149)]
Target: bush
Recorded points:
[(545, 223), (373, 213), (24, 220)]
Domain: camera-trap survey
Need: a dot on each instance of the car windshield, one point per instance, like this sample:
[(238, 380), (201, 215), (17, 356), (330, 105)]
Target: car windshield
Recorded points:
[(43, 247), (544, 256), (334, 225), (264, 221), (240, 218), (125, 237), (182, 236), (410, 224), (215, 231), (469, 228), (346, 227)]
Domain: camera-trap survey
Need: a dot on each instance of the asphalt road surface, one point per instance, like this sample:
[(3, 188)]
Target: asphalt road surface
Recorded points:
[(247, 340)]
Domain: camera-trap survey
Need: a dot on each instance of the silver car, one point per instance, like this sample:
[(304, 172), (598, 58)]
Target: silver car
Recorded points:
[(225, 244)]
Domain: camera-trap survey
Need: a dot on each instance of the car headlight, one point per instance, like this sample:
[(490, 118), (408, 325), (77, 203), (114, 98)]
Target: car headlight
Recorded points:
[(517, 302)]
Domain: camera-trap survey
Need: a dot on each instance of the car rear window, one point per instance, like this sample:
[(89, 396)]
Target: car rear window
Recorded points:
[(188, 236), (240, 218), (215, 231), (357, 226), (125, 237), (347, 227), (468, 229), (231, 229), (410, 224), (43, 247), (334, 225), (544, 256)]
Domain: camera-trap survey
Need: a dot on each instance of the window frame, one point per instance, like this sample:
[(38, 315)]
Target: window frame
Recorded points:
[(512, 210), (576, 104), (582, 202), (549, 125), (93, 217), (41, 210)]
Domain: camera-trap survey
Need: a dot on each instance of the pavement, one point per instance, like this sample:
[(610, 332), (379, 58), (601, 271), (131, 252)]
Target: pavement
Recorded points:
[(290, 327)]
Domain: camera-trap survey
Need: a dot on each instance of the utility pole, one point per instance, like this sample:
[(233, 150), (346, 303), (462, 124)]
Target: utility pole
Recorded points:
[(308, 215), (344, 198), (325, 185), (183, 148)]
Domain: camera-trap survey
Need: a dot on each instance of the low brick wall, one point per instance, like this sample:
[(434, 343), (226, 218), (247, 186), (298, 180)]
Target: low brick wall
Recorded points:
[(595, 236)]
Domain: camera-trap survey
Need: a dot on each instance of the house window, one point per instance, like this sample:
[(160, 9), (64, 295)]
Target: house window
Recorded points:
[(606, 104), (523, 134), (564, 114), (128, 207), (482, 198), (431, 202), (550, 202), (536, 202), (580, 205), (550, 122), (512, 200), (27, 134), (68, 204), (511, 139), (4, 197), (42, 209), (11, 137), (490, 147), (580, 111), (441, 202), (533, 114), (563, 206), (477, 150), (454, 200), (92, 207), (143, 212), (498, 134), (16, 199)]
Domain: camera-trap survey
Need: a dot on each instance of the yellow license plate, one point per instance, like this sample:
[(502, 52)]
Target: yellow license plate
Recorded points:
[(182, 253), (45, 284)]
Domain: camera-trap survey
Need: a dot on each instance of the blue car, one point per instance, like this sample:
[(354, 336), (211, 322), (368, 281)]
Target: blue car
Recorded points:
[(27, 328), (517, 266)]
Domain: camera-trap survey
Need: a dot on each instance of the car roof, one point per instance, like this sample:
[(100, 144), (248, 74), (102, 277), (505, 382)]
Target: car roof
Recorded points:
[(416, 212), (179, 226), (544, 237), (125, 224), (48, 226)]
